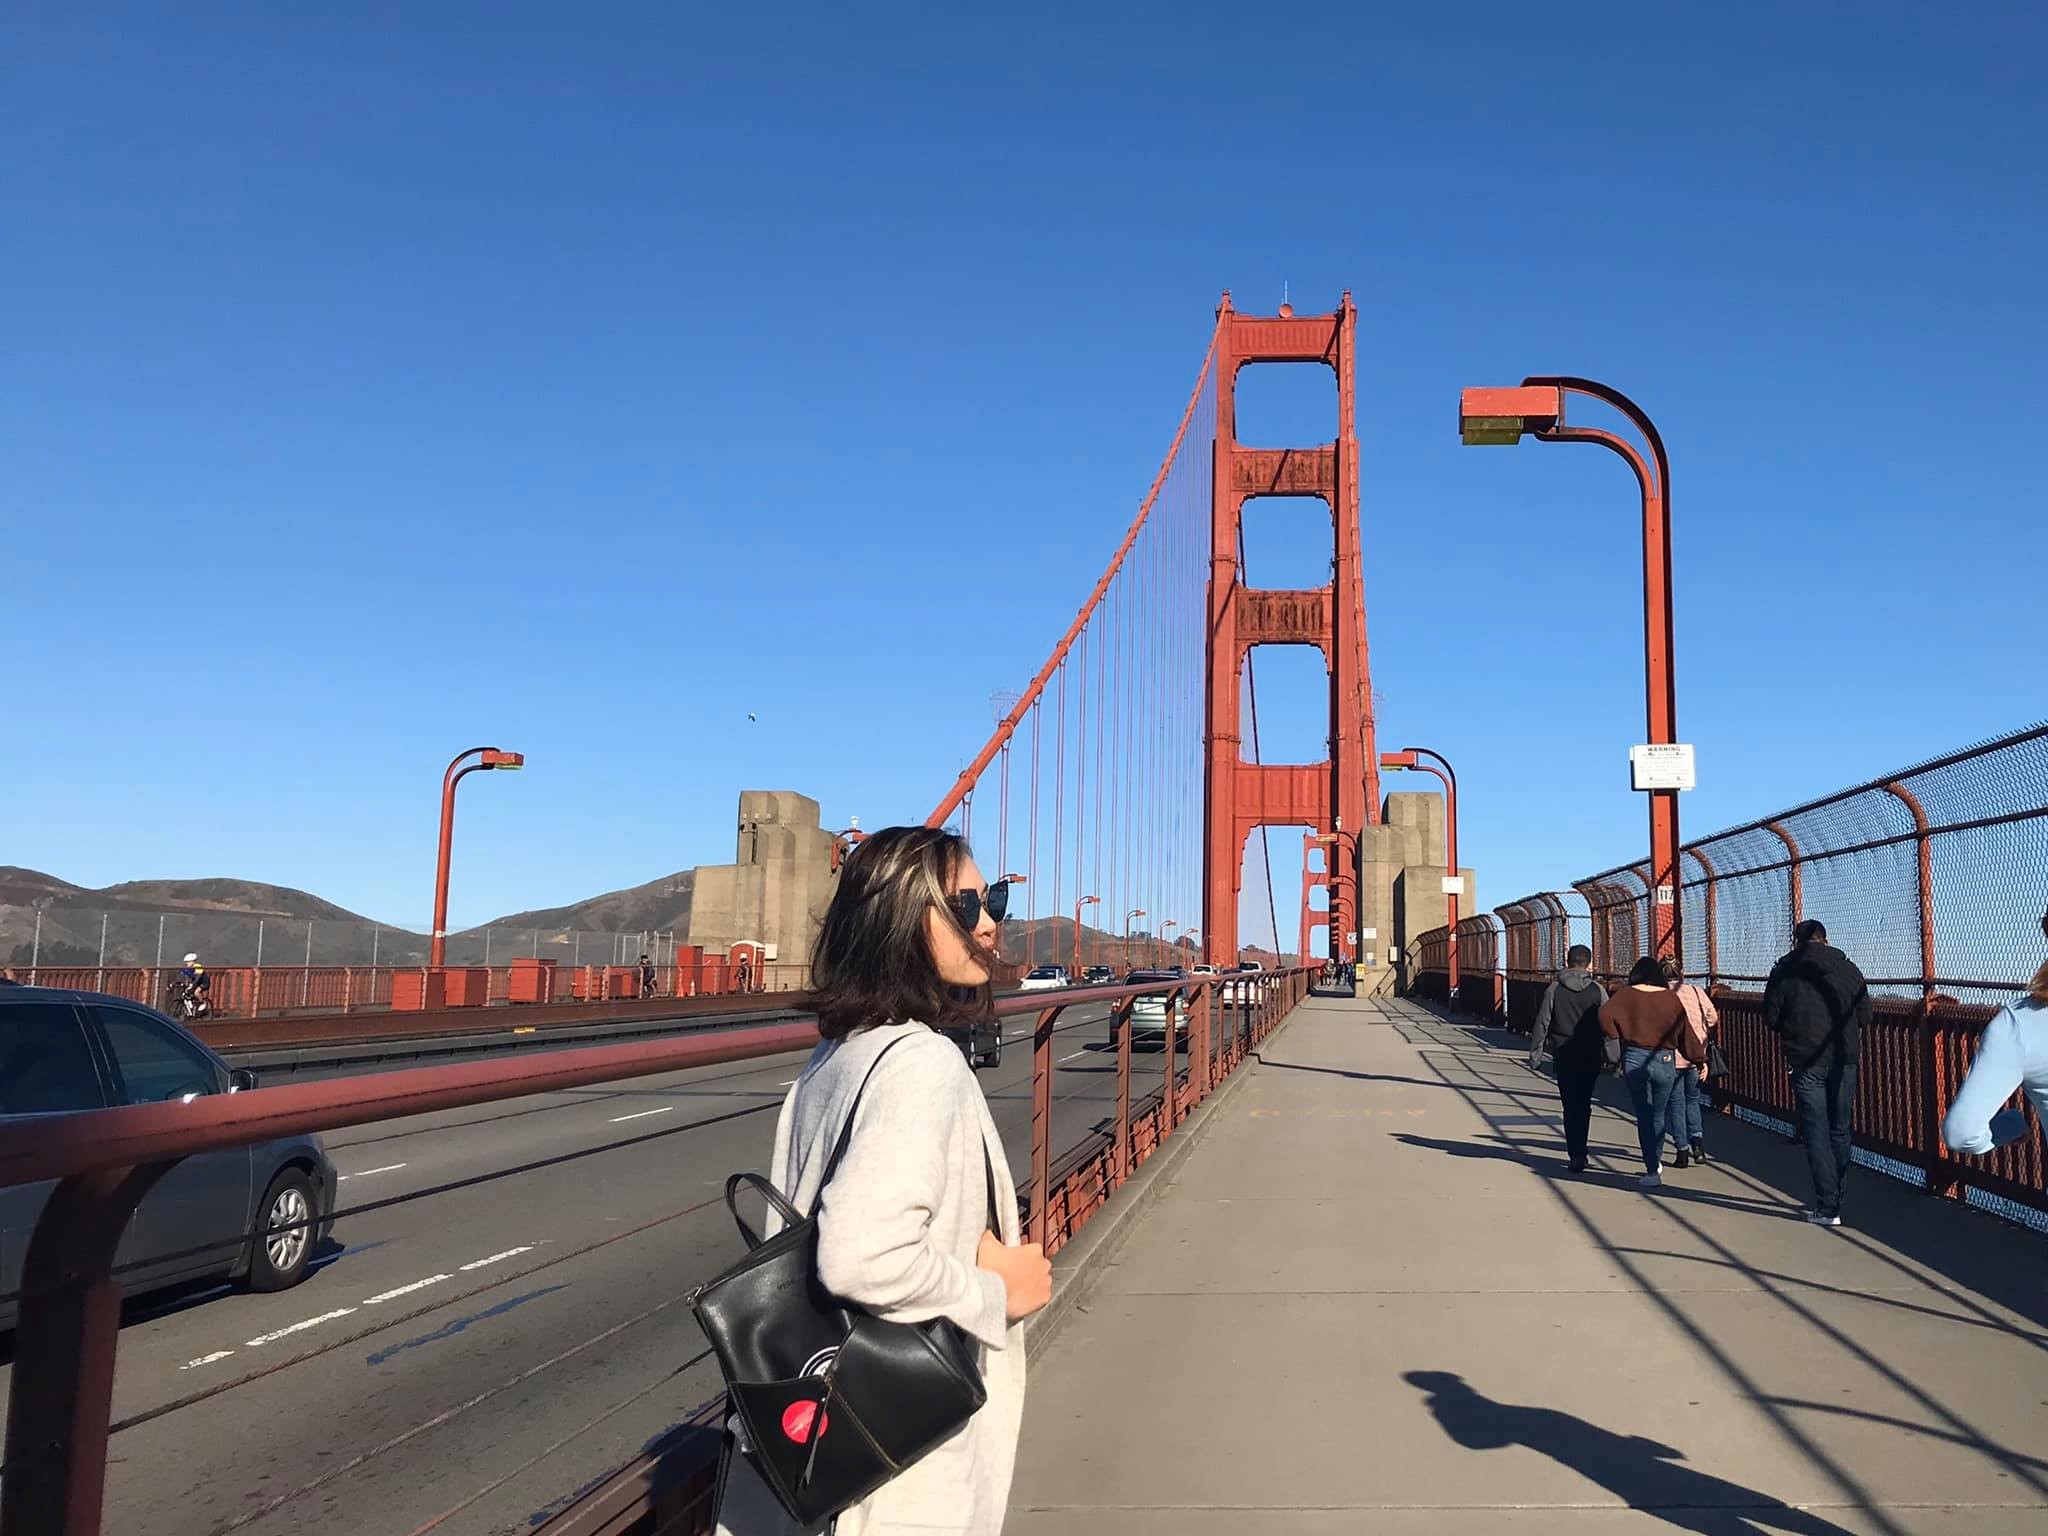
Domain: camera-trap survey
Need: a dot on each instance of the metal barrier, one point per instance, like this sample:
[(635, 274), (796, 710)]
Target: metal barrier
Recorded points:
[(1932, 879), (1480, 990), (248, 991), (106, 1161)]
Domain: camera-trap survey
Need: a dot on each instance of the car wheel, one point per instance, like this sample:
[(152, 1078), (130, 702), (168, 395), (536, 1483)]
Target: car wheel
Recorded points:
[(277, 1259)]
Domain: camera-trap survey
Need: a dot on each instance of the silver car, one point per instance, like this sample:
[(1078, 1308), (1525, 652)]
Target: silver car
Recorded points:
[(1148, 1013), (255, 1214)]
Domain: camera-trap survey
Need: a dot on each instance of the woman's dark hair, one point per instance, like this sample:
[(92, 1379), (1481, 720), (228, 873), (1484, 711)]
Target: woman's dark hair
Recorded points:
[(873, 960), (1647, 972)]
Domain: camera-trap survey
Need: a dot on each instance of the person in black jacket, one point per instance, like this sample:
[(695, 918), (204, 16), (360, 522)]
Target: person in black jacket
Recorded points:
[(1817, 1003), (1568, 1026)]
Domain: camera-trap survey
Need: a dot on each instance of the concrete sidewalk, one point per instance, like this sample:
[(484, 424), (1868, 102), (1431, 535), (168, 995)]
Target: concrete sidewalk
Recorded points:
[(1373, 1301)]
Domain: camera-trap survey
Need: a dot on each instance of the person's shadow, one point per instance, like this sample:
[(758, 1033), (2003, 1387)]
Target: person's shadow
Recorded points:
[(1641, 1472)]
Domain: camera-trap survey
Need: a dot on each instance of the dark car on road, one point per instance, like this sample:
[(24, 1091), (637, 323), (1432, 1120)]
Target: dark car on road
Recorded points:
[(1098, 976), (255, 1214)]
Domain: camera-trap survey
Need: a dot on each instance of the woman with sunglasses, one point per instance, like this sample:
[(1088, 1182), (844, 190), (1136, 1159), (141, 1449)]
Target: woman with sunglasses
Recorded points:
[(905, 1228)]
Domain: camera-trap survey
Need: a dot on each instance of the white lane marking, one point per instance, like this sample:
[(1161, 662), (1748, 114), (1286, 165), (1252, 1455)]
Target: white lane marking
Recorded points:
[(366, 1172), (218, 1354), (790, 1084), (641, 1114), (509, 1253), (407, 1290), (312, 1322), (1065, 1059)]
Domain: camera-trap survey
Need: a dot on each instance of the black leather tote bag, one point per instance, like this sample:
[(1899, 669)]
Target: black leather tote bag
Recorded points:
[(835, 1402)]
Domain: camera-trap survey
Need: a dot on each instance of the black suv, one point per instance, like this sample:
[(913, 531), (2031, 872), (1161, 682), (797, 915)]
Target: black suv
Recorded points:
[(62, 1052)]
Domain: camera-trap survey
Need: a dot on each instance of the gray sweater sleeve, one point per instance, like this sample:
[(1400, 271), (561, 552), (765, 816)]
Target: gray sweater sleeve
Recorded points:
[(1540, 1030), (915, 1157)]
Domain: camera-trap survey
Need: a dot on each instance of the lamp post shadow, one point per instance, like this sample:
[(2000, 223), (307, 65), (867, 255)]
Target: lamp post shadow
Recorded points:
[(1642, 1473)]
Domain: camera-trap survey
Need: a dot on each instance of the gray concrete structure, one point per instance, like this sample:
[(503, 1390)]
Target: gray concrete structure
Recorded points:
[(1369, 1301), (1404, 863), (778, 887)]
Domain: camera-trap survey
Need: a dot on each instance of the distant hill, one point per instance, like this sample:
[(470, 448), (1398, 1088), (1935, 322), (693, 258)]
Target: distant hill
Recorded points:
[(659, 906), (232, 922), (227, 920)]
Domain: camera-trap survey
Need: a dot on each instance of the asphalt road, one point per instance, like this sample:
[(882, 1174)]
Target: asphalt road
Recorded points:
[(508, 1331)]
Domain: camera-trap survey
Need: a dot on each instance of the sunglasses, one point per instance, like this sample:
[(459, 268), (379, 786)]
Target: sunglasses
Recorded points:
[(969, 905)]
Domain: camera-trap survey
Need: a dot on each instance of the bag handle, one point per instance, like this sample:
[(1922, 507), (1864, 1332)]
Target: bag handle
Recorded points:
[(776, 1202)]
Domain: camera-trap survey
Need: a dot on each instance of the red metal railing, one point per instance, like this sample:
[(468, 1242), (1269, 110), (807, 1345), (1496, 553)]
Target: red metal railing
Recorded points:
[(106, 1161), (248, 991)]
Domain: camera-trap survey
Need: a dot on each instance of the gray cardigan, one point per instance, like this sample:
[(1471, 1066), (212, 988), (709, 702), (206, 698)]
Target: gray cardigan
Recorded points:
[(897, 1233)]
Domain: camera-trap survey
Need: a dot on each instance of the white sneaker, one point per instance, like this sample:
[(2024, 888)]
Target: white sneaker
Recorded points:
[(1823, 1221), (1651, 1181)]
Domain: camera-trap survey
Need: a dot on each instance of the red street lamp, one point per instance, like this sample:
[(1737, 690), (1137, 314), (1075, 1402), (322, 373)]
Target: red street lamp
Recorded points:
[(1166, 949), (486, 758), (1454, 883), (1537, 409), (1083, 902), (1134, 912)]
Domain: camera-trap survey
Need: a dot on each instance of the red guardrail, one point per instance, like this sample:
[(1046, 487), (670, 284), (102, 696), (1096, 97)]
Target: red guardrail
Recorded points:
[(106, 1161), (248, 991)]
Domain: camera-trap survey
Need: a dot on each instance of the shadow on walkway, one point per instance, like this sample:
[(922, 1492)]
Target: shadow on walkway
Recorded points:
[(1557, 1168), (1357, 1077), (1643, 1473)]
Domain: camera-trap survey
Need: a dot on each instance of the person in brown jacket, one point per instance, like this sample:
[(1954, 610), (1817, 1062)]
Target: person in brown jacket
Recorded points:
[(1648, 1019), (1687, 1124)]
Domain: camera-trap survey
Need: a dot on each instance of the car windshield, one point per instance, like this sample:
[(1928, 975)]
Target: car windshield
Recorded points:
[(1044, 973)]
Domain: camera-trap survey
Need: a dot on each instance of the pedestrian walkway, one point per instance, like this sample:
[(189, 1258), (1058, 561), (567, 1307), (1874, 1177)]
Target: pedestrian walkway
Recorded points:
[(1373, 1301)]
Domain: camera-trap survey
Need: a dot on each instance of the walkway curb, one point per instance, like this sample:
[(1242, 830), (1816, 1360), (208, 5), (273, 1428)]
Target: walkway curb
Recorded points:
[(1078, 1266)]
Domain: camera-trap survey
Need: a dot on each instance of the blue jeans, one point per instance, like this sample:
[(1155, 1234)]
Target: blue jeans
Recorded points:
[(1687, 1128), (1827, 1098), (1651, 1076)]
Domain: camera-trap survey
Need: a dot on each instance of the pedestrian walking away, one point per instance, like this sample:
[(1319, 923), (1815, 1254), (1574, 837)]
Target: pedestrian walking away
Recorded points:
[(1817, 1004), (903, 1225), (2012, 1053), (1568, 1028), (1647, 1018), (1687, 1123)]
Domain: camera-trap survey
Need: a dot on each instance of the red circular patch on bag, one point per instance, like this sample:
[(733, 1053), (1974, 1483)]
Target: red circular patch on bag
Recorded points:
[(797, 1419)]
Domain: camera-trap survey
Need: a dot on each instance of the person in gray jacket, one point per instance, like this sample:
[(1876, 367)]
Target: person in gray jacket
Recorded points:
[(1568, 1027), (904, 1228)]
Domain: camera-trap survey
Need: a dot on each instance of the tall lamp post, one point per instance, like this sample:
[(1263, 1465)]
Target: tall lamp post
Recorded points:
[(1134, 912), (486, 758), (1083, 902), (1537, 408), (1454, 882), (1166, 949)]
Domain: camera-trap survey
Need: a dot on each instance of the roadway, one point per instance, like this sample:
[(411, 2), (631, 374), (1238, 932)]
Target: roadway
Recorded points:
[(508, 1331)]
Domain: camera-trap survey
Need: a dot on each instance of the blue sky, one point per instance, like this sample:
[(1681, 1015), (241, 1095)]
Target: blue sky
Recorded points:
[(584, 378)]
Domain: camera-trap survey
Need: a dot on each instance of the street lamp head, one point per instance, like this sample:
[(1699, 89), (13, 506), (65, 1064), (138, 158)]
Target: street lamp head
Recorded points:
[(493, 758), (1398, 759), (1088, 900), (1017, 879), (1501, 416)]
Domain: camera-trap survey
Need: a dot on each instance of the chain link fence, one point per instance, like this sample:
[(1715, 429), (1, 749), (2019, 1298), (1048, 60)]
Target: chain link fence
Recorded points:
[(1934, 880)]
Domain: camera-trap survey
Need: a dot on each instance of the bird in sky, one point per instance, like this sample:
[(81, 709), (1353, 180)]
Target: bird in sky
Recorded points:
[(750, 716)]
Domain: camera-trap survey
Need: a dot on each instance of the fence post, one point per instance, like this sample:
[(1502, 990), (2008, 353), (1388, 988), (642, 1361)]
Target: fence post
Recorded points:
[(100, 983), (1798, 861), (1041, 1122), (1120, 1166)]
